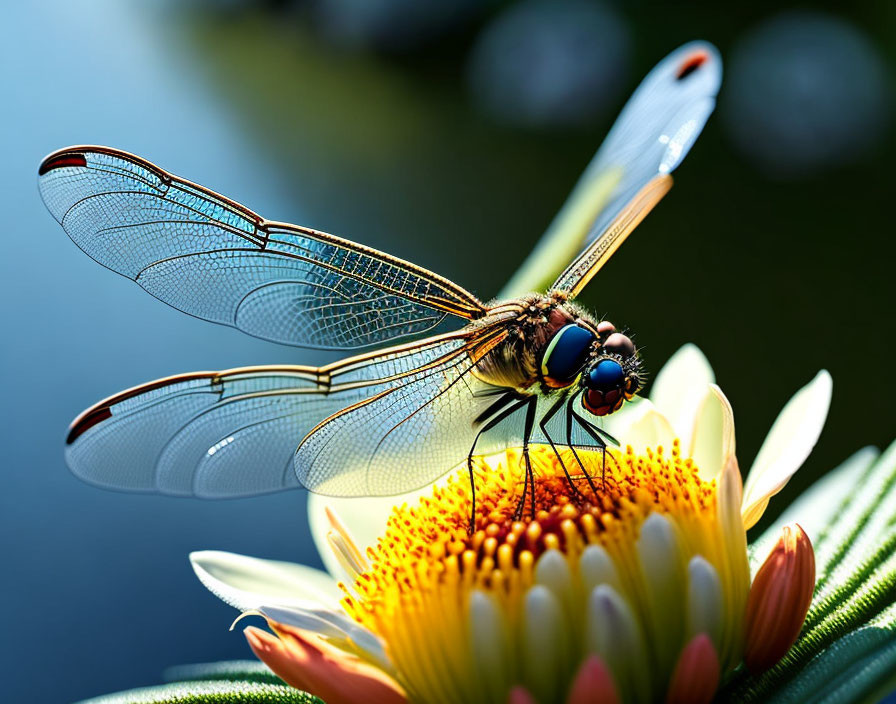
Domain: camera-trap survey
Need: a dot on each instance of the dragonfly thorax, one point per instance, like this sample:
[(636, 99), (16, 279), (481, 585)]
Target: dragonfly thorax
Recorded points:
[(516, 361), (551, 344)]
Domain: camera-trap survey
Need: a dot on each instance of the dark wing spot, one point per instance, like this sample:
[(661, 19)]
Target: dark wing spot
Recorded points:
[(86, 422), (58, 161), (101, 411), (691, 64)]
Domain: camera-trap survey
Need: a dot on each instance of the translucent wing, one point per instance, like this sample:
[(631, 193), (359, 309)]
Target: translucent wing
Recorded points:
[(652, 135), (406, 436), (233, 433), (213, 258), (579, 273)]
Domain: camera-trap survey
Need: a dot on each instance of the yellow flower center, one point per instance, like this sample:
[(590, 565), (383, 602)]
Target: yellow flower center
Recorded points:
[(630, 566)]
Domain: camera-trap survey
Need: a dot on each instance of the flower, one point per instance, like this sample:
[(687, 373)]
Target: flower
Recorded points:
[(632, 587), (629, 575)]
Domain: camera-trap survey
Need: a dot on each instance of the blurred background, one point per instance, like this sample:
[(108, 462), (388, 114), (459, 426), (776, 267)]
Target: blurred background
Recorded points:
[(447, 133)]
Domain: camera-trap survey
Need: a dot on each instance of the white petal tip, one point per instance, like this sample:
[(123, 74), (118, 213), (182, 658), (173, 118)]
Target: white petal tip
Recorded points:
[(680, 386), (788, 444), (247, 582), (245, 614)]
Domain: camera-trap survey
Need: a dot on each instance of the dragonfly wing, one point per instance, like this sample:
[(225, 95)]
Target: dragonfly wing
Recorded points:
[(408, 437), (405, 437), (651, 136), (162, 437), (232, 433), (215, 259), (579, 273)]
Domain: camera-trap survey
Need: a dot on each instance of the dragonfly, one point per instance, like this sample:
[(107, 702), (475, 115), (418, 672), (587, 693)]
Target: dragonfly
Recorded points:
[(447, 376)]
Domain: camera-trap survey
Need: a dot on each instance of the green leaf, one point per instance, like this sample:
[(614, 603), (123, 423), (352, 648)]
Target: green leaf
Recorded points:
[(849, 669), (236, 670), (847, 649), (213, 692)]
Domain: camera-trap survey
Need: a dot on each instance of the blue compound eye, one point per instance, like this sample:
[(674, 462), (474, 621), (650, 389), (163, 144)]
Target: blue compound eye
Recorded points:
[(606, 376), (566, 354)]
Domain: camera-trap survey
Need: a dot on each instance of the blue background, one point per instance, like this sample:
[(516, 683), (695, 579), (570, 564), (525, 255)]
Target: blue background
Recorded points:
[(97, 590)]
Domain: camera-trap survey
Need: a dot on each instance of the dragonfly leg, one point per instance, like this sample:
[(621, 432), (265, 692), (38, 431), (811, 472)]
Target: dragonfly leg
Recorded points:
[(598, 436), (543, 424), (487, 417), (530, 477), (487, 420), (570, 414)]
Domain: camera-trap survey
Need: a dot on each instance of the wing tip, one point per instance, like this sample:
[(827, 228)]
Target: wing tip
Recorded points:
[(60, 160), (698, 56)]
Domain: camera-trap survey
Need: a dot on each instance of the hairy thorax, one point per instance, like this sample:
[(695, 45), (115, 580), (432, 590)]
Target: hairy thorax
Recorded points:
[(515, 362)]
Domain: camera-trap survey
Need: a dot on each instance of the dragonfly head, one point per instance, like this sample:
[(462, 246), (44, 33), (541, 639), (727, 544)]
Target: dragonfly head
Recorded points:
[(612, 375)]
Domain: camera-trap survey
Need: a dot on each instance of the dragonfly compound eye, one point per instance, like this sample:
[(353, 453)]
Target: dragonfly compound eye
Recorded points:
[(566, 355), (605, 388)]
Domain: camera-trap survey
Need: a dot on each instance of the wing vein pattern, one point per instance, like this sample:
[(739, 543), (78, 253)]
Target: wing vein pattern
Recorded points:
[(217, 260), (235, 433)]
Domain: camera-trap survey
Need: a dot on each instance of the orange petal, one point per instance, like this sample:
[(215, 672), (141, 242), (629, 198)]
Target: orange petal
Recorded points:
[(696, 675), (779, 599), (593, 684), (520, 695), (270, 650), (308, 663)]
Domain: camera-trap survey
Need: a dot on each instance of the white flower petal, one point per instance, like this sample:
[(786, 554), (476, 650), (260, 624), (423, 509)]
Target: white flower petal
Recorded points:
[(660, 556), (787, 445), (679, 389), (247, 583), (545, 642), (713, 438), (644, 427), (329, 624), (596, 567), (612, 631), (734, 569), (364, 517), (490, 644), (705, 603), (618, 423), (552, 571), (335, 626)]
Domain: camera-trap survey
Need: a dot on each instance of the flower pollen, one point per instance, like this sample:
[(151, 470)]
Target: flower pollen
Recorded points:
[(598, 565)]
